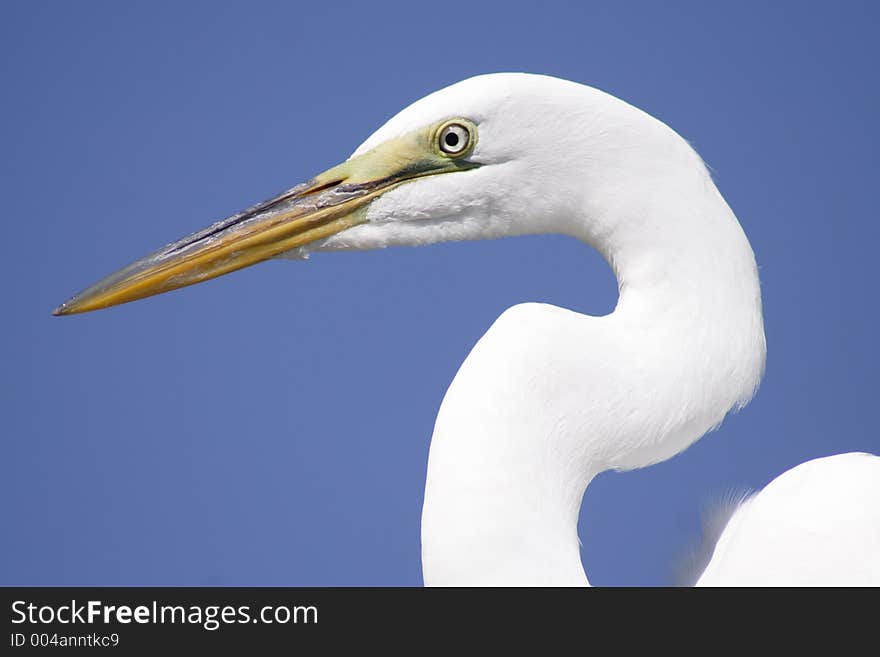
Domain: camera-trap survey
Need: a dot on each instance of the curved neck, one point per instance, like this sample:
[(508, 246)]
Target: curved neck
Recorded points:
[(548, 398)]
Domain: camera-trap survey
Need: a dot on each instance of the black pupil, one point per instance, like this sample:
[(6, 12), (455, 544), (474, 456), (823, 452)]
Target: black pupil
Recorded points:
[(451, 139)]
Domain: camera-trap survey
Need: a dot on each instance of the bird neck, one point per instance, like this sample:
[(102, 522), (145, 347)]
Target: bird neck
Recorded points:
[(549, 398)]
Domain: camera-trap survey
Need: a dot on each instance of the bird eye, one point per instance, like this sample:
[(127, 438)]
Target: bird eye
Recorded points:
[(454, 139)]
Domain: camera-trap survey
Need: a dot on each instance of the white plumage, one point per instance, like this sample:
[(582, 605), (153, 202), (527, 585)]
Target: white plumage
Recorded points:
[(817, 524), (549, 398)]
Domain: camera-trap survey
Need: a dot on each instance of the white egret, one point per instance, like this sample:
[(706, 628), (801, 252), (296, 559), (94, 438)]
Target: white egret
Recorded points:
[(548, 398)]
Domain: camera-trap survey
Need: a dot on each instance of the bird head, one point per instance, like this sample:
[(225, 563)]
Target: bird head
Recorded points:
[(486, 157)]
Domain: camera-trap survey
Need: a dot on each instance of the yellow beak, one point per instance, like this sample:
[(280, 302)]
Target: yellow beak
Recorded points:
[(329, 203)]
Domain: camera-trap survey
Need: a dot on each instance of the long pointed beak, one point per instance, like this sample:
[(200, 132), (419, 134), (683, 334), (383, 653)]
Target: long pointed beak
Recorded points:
[(308, 212), (327, 204)]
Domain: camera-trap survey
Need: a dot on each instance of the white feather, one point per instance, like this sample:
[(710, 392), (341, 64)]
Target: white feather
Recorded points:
[(548, 398)]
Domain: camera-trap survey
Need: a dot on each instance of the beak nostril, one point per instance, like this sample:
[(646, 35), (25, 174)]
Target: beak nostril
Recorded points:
[(319, 188)]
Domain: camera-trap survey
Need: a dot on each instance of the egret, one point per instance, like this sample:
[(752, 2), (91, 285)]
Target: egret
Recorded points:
[(548, 398)]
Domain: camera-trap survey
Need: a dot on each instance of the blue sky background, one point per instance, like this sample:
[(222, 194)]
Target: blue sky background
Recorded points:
[(272, 427)]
